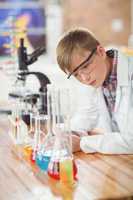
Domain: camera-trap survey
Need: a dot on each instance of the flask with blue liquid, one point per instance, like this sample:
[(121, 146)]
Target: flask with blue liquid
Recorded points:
[(44, 151)]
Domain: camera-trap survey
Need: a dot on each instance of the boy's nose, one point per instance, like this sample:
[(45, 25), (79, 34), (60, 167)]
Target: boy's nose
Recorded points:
[(85, 77)]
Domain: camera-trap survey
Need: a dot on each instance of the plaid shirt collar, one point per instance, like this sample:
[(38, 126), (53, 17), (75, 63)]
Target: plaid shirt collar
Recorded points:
[(112, 77), (110, 84)]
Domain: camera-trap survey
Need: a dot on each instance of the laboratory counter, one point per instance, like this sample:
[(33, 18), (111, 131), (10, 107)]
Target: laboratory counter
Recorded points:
[(99, 176)]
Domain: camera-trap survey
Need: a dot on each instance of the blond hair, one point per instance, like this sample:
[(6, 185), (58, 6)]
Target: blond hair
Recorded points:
[(74, 40)]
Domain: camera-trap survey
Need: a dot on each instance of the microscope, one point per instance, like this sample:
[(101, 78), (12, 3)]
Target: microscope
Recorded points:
[(24, 60)]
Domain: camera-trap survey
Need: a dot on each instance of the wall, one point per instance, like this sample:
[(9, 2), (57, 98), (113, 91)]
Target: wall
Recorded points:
[(98, 16)]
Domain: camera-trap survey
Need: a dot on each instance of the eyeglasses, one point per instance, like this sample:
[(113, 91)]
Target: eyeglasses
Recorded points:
[(81, 64)]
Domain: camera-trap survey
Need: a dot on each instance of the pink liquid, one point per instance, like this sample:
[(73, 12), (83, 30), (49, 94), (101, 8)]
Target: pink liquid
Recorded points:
[(54, 170)]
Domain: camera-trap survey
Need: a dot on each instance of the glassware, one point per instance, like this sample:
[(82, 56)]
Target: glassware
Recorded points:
[(19, 132), (44, 152), (27, 119), (62, 165), (37, 129)]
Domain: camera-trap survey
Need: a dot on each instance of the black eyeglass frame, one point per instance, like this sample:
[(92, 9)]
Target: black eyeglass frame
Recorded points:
[(80, 65)]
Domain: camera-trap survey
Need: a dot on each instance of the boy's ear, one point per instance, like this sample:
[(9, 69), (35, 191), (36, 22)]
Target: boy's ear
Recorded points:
[(101, 51)]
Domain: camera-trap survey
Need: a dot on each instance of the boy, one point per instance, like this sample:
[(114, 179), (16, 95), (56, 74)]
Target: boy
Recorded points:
[(110, 104)]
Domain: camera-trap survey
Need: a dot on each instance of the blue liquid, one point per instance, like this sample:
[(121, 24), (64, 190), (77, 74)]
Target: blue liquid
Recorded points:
[(42, 161)]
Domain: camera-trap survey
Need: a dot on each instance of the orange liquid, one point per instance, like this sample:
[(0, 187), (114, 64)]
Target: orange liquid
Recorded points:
[(28, 154), (66, 172)]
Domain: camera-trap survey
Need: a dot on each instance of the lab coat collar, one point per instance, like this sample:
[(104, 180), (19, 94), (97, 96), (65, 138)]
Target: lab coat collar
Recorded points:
[(122, 69)]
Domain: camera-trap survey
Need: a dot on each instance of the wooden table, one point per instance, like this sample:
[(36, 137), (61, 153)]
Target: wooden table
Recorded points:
[(99, 176)]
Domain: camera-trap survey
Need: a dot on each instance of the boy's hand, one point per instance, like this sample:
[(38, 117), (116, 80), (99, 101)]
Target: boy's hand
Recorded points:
[(75, 143), (96, 131)]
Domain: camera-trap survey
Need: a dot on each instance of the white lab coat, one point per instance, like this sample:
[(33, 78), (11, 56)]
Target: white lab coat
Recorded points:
[(92, 112)]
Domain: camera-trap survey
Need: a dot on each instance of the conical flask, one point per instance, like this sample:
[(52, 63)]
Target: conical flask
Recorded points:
[(37, 127), (45, 150), (62, 165)]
